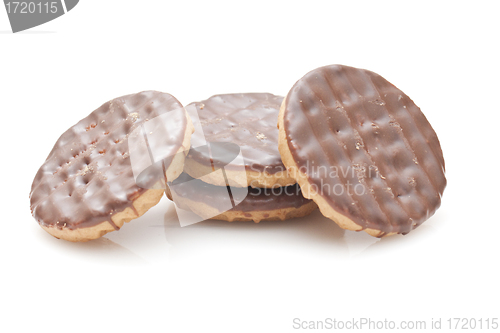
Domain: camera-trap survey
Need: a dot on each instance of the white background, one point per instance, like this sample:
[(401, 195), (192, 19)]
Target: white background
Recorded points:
[(153, 275)]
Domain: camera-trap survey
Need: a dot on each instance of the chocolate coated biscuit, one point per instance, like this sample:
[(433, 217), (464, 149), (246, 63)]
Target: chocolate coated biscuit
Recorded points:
[(249, 121), (362, 150), (208, 201), (86, 187)]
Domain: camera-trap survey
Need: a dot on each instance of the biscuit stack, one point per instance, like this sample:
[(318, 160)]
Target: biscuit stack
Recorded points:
[(234, 170)]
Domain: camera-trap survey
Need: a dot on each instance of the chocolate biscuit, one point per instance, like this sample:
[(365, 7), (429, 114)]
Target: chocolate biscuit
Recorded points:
[(247, 121), (362, 150), (87, 187), (254, 204)]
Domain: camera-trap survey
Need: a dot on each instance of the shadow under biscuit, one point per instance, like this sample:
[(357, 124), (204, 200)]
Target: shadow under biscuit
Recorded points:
[(101, 251), (307, 233)]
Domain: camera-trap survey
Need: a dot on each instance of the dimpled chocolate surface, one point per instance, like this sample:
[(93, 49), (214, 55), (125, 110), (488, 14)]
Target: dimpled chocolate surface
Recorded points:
[(258, 199), (88, 177), (248, 120), (365, 131)]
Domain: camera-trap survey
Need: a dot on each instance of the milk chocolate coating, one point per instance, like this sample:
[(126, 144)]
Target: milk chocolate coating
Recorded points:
[(358, 123), (88, 177), (248, 120), (258, 199)]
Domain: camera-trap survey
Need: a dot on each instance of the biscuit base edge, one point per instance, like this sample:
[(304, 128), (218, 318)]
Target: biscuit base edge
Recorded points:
[(208, 212), (141, 205)]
